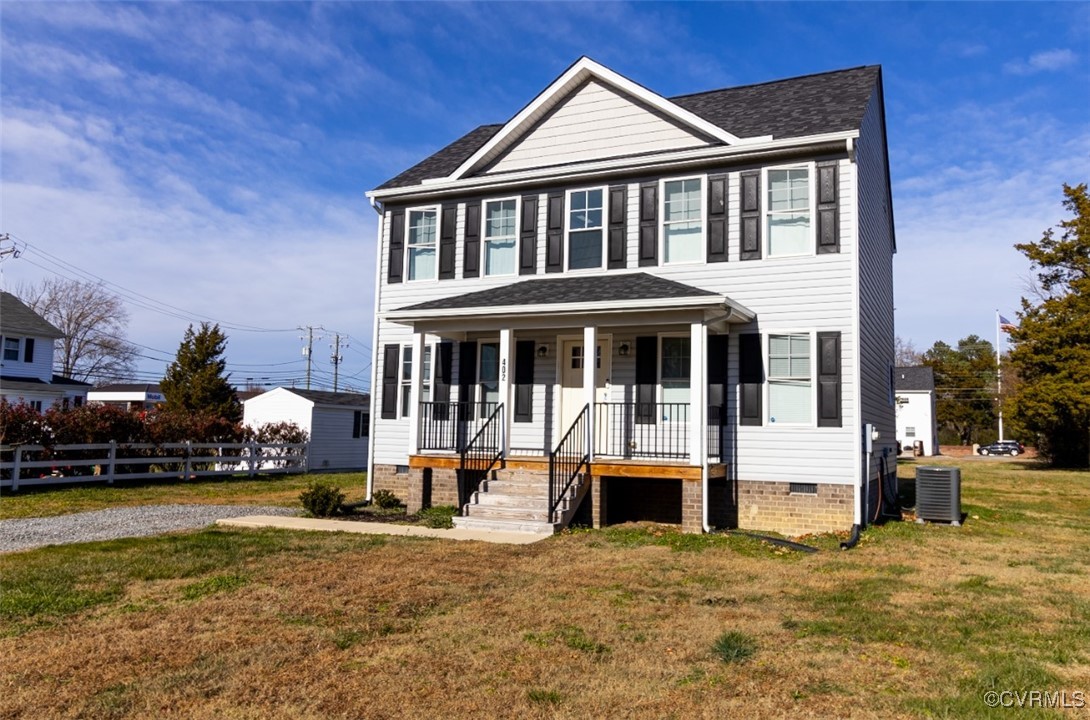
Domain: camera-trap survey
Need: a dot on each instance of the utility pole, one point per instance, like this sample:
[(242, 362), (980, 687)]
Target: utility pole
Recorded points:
[(336, 358), (308, 351)]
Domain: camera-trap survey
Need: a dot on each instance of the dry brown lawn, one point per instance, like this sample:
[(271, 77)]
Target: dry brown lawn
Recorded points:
[(916, 621)]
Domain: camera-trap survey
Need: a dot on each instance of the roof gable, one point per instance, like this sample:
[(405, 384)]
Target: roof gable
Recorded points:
[(574, 82), (16, 318)]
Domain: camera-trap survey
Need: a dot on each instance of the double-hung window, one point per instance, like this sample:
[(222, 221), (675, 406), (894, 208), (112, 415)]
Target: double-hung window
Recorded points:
[(789, 383), (11, 348), (788, 214), (500, 237), (586, 213), (407, 378), (489, 377), (682, 221), (421, 244), (675, 374)]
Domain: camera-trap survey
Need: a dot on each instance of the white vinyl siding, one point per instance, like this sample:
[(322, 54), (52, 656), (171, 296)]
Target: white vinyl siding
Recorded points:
[(586, 213), (422, 244), (682, 220), (788, 213), (790, 388), (500, 236), (593, 123), (330, 427)]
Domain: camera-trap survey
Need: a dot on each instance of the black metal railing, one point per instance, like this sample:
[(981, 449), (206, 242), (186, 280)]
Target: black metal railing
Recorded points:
[(642, 430), (451, 425), (571, 456), (480, 455), (717, 417)]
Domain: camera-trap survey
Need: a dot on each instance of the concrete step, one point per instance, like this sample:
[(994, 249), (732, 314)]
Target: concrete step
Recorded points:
[(512, 487), (501, 525), (519, 475), (499, 512), (512, 500)]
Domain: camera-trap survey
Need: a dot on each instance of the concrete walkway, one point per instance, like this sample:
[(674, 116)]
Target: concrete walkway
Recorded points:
[(372, 528)]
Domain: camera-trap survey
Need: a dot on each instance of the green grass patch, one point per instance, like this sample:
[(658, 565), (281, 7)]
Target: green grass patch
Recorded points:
[(213, 586), (538, 696), (734, 647)]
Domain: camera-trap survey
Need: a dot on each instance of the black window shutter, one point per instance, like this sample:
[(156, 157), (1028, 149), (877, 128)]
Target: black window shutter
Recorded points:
[(441, 393), (618, 227), (647, 350), (448, 244), (524, 380), (717, 218), (717, 370), (28, 350), (397, 246), (750, 379), (390, 363), (829, 412), (649, 230), (528, 236), (471, 262), (554, 234), (751, 214), (467, 377), (828, 235)]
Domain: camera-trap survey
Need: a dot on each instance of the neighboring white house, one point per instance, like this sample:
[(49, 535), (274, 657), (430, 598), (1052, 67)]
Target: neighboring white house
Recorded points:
[(338, 423), (679, 307), (131, 396), (916, 421), (26, 359)]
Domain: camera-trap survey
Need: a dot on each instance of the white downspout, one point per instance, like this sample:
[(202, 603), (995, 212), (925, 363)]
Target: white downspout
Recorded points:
[(380, 210)]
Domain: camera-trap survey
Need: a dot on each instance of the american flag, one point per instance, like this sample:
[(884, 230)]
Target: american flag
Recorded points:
[(1006, 325)]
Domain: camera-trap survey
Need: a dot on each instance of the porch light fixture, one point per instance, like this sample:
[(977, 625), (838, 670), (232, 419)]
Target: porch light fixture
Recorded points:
[(542, 350), (623, 349)]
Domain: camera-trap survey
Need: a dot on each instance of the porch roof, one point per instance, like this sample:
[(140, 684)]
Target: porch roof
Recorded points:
[(575, 295)]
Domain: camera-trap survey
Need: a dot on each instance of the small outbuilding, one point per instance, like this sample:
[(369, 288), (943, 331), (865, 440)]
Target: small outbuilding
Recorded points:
[(338, 423), (914, 388)]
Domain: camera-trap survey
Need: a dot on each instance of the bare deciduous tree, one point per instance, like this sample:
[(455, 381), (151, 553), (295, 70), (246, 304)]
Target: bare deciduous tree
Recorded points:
[(904, 353), (94, 322)]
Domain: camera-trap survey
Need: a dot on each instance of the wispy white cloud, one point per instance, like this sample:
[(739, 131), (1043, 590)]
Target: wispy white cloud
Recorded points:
[(1045, 61)]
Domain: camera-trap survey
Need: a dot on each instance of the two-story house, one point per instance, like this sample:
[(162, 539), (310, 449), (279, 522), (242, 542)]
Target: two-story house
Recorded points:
[(26, 359), (677, 309)]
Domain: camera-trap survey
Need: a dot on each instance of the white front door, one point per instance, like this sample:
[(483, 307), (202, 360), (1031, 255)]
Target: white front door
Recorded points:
[(572, 399)]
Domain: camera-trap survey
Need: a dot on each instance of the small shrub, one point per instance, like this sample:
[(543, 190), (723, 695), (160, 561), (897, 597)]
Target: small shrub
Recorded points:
[(321, 499), (438, 517), (734, 647), (385, 499)]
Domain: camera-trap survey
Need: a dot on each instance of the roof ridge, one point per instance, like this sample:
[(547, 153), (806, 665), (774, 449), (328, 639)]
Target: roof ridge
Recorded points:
[(775, 82)]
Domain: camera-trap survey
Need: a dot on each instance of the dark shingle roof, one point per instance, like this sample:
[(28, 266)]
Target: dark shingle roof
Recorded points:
[(62, 380), (325, 397), (18, 319), (553, 291), (914, 378), (809, 105), (130, 387)]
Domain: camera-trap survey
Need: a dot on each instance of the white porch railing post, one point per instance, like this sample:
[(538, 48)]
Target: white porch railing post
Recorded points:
[(698, 393), (590, 373), (415, 388), (15, 470), (506, 365), (111, 462)]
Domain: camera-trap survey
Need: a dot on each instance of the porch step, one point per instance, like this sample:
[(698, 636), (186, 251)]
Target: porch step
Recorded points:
[(515, 487), (505, 525)]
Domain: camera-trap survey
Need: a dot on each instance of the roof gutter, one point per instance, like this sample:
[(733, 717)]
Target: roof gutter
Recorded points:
[(736, 311)]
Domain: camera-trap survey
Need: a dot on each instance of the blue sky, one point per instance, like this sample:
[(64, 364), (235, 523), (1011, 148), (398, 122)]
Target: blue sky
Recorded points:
[(213, 157)]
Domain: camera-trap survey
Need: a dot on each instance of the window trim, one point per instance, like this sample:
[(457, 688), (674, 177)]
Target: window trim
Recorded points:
[(603, 229), (438, 210), (766, 345), (766, 211), (703, 178), (482, 263), (18, 349)]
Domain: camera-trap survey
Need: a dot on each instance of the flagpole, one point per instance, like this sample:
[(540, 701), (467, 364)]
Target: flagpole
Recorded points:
[(998, 375)]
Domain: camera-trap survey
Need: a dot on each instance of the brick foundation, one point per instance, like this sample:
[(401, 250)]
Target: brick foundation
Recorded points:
[(386, 477), (772, 507)]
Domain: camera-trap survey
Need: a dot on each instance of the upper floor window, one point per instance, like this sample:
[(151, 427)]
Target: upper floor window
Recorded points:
[(421, 244), (789, 396), (585, 235), (788, 214), (11, 348), (500, 237), (682, 221)]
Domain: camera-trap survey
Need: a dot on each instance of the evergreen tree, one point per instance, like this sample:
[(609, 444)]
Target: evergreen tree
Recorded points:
[(1052, 343), (195, 381), (964, 387)]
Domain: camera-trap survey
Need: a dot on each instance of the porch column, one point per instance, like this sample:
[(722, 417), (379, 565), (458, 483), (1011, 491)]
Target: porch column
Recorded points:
[(590, 371), (698, 393), (506, 363), (415, 387)]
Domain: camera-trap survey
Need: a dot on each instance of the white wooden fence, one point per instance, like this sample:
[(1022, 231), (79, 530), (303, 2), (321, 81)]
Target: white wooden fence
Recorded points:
[(30, 465)]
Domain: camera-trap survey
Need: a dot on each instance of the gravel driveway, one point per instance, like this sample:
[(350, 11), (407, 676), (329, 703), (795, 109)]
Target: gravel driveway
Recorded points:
[(113, 523)]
